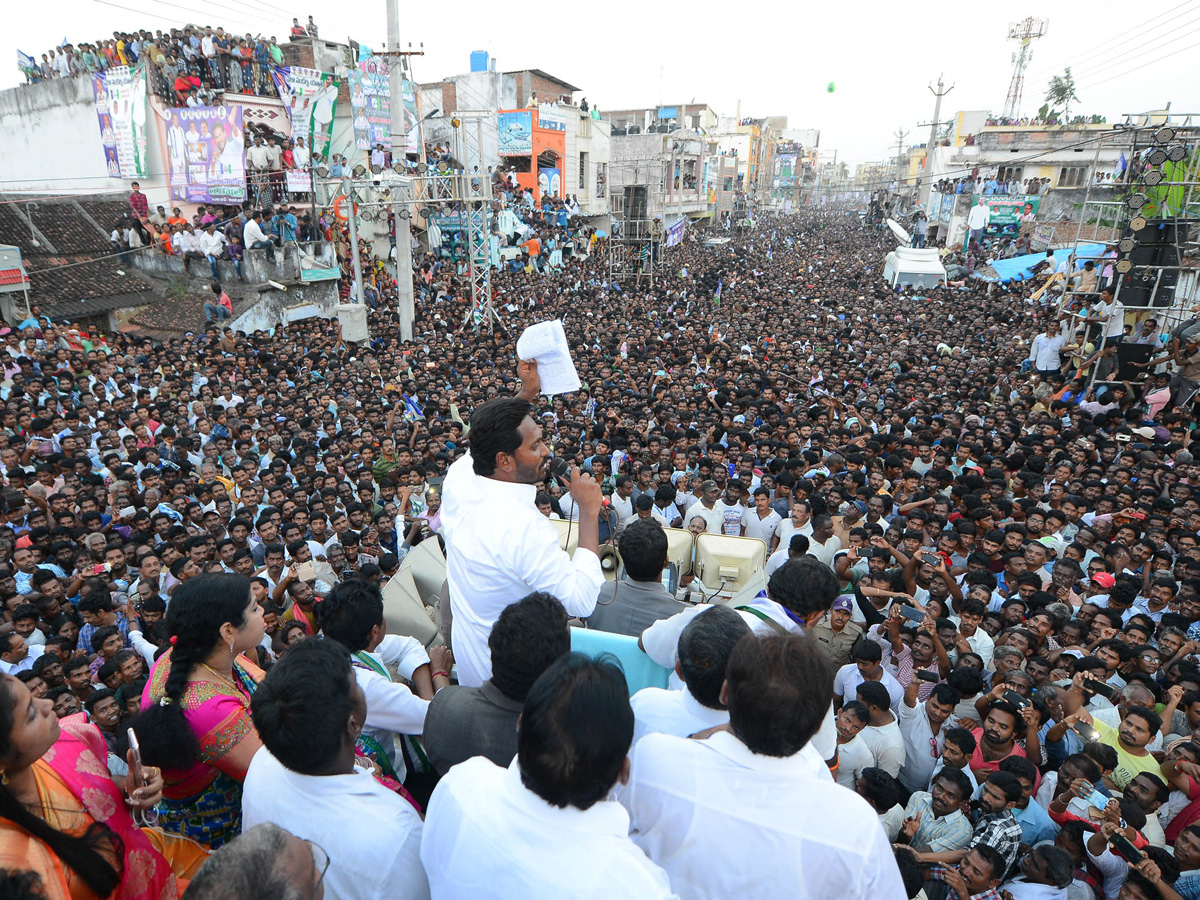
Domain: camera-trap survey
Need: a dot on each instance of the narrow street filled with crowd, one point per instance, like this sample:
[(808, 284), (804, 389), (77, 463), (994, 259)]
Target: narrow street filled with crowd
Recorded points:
[(973, 671)]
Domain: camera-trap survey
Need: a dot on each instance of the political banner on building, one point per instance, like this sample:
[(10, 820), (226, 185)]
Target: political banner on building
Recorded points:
[(206, 148), (1009, 209), (675, 232), (371, 101), (516, 133), (310, 97), (411, 121), (298, 181), (1042, 238), (785, 169), (120, 97), (947, 209)]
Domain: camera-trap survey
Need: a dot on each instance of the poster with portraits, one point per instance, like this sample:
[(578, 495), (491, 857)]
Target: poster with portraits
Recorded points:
[(120, 98), (206, 150)]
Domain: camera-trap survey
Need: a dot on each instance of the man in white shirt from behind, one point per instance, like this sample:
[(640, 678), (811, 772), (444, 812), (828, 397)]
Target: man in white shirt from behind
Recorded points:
[(542, 827), (796, 547), (308, 712), (499, 548), (704, 648), (699, 808), (882, 734), (799, 593)]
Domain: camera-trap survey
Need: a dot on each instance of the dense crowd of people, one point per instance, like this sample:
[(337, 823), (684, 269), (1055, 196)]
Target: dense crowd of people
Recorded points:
[(972, 671)]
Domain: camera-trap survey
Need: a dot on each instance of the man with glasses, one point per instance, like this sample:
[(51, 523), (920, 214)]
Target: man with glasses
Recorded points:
[(309, 712)]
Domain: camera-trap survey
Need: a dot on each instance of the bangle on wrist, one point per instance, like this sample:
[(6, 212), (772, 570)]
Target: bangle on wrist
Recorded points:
[(441, 675)]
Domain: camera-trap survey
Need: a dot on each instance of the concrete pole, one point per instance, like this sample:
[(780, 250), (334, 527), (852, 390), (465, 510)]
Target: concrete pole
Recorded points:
[(401, 209), (927, 180), (356, 289)]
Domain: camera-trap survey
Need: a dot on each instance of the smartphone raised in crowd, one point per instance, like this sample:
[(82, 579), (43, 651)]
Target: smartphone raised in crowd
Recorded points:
[(137, 772), (1096, 799), (1015, 699), (147, 818), (912, 614), (1125, 849)]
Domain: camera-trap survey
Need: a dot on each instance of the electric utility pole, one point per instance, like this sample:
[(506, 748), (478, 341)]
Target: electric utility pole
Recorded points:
[(402, 207), (927, 180), (901, 134)]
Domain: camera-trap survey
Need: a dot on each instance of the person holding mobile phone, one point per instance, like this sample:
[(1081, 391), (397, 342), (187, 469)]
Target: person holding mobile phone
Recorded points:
[(54, 784), (921, 724)]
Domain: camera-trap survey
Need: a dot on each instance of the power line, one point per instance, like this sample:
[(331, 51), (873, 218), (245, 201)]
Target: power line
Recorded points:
[(1149, 63), (239, 15), (1090, 52), (1152, 46), (140, 12), (278, 9)]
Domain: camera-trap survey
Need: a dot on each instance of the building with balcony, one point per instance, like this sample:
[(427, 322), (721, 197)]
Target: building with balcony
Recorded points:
[(569, 141), (662, 119), (1067, 155), (794, 170), (669, 176)]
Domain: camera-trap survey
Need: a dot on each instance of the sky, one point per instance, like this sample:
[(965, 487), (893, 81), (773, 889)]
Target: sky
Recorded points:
[(776, 61)]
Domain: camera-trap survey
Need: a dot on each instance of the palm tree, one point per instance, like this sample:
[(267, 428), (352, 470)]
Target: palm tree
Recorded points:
[(1062, 91)]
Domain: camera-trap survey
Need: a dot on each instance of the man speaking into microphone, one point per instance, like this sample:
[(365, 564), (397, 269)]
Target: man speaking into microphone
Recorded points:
[(499, 548)]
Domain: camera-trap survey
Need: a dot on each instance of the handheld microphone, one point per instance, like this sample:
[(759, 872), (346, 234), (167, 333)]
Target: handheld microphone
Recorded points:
[(559, 470)]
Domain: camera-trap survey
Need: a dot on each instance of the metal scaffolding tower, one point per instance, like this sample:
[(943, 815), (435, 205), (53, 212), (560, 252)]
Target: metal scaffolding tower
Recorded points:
[(631, 252), (1150, 231), (476, 196), (1025, 32)]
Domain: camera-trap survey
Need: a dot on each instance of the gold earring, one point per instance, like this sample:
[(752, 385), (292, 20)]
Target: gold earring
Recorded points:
[(231, 643), (3, 777)]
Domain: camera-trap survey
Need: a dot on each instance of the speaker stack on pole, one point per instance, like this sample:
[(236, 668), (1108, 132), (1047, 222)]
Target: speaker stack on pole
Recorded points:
[(1147, 269), (1152, 254)]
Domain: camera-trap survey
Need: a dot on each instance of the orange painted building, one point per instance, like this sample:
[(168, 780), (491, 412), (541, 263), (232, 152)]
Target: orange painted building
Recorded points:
[(533, 142)]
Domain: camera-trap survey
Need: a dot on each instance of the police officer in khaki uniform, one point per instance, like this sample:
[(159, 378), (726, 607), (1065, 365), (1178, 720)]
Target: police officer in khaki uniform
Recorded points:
[(836, 633)]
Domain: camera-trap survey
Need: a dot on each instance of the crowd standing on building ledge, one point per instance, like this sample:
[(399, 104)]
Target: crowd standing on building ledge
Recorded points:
[(973, 672)]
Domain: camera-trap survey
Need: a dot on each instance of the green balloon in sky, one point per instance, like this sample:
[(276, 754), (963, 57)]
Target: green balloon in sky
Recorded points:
[(830, 87)]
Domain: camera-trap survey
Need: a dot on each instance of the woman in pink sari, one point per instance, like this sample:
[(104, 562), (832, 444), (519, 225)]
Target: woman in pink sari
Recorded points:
[(195, 719), (62, 816)]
